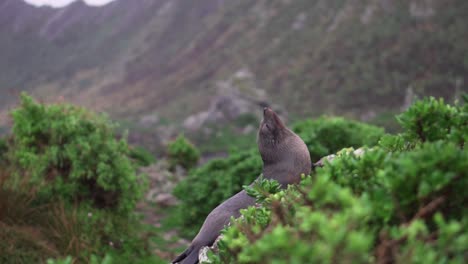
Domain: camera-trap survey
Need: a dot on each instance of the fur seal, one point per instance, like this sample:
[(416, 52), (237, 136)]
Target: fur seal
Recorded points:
[(285, 157)]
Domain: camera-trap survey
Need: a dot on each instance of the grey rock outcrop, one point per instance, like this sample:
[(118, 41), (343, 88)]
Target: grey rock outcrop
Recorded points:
[(237, 95)]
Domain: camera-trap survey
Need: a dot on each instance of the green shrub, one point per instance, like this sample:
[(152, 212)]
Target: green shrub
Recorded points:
[(71, 153), (338, 216), (93, 260), (61, 162), (182, 152), (401, 202), (430, 120), (326, 135), (324, 223), (424, 243), (33, 230), (141, 156)]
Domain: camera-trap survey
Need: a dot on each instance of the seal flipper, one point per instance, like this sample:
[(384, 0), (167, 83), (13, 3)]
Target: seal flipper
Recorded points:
[(183, 255), (189, 256)]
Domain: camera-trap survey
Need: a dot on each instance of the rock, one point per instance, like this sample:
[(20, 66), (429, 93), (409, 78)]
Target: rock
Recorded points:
[(203, 254), (165, 199), (248, 129), (162, 182), (358, 153), (322, 161), (409, 98), (368, 14), (300, 21), (423, 9), (368, 115), (236, 96), (149, 120)]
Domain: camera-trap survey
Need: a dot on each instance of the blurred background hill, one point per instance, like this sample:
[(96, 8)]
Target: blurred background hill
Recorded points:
[(147, 62)]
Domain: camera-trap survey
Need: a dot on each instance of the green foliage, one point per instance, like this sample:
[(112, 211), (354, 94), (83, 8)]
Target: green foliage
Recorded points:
[(93, 260), (427, 121), (71, 153), (182, 152), (205, 187), (3, 150), (321, 223), (262, 188), (327, 135), (61, 162), (444, 243), (358, 173), (403, 202), (67, 260), (431, 120), (141, 156)]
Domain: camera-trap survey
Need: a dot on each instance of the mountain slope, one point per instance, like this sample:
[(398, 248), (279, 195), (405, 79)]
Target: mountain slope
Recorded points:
[(133, 58)]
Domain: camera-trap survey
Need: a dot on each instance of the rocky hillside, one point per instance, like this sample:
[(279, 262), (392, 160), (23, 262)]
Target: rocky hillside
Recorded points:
[(171, 57)]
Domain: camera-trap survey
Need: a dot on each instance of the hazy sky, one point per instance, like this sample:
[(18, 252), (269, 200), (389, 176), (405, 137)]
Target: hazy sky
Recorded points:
[(58, 3)]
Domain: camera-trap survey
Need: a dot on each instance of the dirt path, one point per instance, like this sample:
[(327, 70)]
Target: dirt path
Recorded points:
[(156, 206)]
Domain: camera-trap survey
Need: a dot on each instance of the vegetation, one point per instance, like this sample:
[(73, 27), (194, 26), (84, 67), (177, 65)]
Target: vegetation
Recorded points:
[(141, 156), (326, 135), (72, 153), (400, 202), (182, 152), (222, 178), (68, 187), (69, 184)]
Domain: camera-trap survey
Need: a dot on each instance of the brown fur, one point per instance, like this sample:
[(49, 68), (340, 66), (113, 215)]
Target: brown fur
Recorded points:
[(285, 157)]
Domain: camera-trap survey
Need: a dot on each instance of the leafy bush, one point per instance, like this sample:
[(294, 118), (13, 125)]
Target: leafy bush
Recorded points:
[(400, 202), (141, 156), (182, 152), (430, 120), (327, 135), (58, 158), (325, 224), (73, 154), (93, 260)]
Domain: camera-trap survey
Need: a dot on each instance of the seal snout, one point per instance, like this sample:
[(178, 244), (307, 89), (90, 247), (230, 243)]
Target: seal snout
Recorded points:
[(267, 111)]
